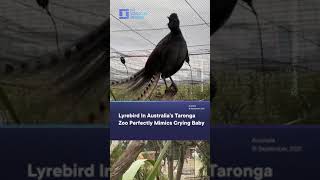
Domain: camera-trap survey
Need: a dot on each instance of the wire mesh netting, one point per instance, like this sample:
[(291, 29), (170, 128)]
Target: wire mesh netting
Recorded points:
[(281, 87), (290, 34), (136, 38), (31, 62), (27, 32)]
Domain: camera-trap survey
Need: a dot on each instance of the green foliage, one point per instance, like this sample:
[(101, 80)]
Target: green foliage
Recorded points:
[(185, 92), (204, 155), (34, 107), (156, 168), (4, 99), (249, 98), (144, 169), (117, 151), (134, 168)]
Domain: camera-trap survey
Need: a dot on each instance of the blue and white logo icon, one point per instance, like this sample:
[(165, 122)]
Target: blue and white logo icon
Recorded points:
[(124, 14), (132, 14)]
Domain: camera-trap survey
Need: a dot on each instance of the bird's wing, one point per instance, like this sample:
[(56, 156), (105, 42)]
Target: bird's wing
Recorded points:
[(176, 49), (153, 63)]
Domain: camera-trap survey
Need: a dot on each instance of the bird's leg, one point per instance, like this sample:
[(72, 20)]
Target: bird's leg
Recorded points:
[(173, 85), (165, 82)]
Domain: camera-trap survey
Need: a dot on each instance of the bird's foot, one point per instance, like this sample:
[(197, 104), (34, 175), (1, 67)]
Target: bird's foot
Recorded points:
[(172, 90), (174, 87)]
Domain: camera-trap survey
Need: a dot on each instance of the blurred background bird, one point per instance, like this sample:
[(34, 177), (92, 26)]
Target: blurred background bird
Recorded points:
[(222, 11)]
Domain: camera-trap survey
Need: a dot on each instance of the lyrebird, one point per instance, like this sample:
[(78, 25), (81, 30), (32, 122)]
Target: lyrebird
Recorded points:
[(165, 60)]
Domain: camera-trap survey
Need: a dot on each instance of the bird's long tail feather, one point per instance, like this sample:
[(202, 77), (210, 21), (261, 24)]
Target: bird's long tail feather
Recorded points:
[(140, 82), (150, 87), (131, 79)]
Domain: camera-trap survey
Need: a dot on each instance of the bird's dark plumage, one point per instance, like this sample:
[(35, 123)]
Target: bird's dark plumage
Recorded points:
[(166, 59), (221, 12), (43, 3)]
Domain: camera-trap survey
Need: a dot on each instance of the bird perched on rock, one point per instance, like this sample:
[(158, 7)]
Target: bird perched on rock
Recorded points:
[(165, 60)]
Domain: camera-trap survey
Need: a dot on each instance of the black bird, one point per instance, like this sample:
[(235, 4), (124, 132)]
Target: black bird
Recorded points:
[(43, 3), (165, 60), (222, 11)]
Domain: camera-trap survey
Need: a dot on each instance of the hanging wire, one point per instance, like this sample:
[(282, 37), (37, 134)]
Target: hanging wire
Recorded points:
[(133, 30), (197, 13), (162, 28), (78, 10), (283, 27), (131, 56), (74, 24), (55, 28), (147, 50)]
